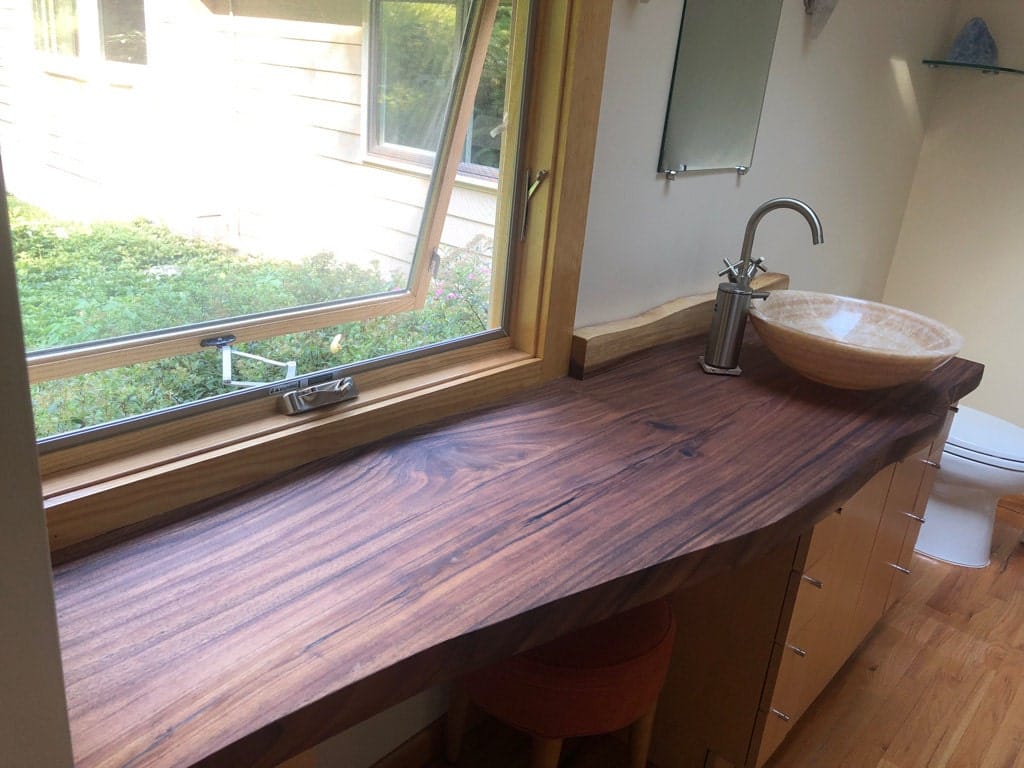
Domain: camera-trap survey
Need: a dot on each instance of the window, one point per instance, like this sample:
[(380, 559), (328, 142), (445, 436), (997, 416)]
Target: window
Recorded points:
[(120, 25), (190, 268), (124, 477), (123, 30), (56, 26), (405, 79)]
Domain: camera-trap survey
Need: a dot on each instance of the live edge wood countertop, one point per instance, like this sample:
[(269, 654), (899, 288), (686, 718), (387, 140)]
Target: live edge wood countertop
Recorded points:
[(253, 630)]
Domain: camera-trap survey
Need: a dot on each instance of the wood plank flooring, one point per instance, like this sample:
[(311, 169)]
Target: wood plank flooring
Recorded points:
[(939, 683)]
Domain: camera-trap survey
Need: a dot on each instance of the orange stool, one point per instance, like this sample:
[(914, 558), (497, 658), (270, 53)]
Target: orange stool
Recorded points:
[(595, 680)]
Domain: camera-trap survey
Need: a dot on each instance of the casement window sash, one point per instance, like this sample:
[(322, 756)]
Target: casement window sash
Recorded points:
[(110, 353)]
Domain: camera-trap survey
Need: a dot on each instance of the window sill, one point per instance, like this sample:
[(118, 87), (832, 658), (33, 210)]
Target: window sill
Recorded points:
[(92, 505), (113, 73), (462, 180)]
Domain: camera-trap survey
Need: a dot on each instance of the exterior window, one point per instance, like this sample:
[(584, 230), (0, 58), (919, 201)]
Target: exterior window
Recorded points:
[(232, 242), (406, 78), (121, 27), (55, 26), (123, 30)]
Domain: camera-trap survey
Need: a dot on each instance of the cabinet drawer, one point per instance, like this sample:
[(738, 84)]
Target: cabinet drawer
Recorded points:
[(773, 730), (823, 538), (812, 587), (792, 682)]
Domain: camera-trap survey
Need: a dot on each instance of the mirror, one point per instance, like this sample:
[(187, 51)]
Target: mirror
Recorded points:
[(722, 61)]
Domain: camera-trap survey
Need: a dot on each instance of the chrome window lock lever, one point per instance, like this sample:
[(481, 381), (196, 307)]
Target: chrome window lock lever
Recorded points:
[(318, 395)]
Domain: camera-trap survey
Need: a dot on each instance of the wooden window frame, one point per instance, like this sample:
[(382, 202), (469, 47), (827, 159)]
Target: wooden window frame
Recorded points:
[(97, 493)]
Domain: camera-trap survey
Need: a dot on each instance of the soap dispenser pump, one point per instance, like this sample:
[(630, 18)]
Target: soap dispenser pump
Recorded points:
[(729, 319)]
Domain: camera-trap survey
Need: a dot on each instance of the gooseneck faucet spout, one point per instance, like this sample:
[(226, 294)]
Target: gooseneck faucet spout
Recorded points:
[(729, 320), (817, 235)]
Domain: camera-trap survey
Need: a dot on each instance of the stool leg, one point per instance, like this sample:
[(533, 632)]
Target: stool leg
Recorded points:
[(545, 752), (640, 739), (455, 722)]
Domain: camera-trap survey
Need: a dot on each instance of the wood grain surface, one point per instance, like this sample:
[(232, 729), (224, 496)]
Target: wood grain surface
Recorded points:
[(262, 625)]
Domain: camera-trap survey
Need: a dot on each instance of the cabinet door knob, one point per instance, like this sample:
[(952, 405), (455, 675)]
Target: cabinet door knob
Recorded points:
[(912, 516), (779, 714), (797, 650), (930, 463), (900, 568)]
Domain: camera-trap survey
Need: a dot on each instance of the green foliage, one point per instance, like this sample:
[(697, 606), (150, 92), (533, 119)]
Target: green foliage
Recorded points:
[(417, 58), (84, 283), (418, 42), (489, 109)]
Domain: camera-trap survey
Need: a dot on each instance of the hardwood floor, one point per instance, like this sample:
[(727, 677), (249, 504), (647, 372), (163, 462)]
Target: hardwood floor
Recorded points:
[(940, 682)]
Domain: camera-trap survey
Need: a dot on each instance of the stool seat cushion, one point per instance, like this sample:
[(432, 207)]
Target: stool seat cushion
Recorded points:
[(594, 680)]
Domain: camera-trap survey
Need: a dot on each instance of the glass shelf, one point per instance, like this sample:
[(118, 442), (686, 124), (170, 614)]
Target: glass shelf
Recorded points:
[(987, 69)]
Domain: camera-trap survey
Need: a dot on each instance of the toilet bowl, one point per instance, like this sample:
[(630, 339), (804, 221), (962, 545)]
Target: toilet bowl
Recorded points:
[(982, 460)]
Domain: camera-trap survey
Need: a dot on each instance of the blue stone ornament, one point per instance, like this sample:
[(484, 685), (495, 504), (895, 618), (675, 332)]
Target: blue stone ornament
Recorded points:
[(974, 45)]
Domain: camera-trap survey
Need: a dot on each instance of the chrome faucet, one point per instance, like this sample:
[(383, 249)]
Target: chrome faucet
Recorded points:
[(722, 353)]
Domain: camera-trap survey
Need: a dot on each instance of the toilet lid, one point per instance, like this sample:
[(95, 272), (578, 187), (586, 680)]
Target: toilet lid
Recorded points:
[(981, 433)]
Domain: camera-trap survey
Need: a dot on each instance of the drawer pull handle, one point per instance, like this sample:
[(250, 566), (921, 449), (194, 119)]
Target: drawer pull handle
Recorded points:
[(930, 463), (812, 581), (797, 650), (781, 715), (900, 568), (912, 516)]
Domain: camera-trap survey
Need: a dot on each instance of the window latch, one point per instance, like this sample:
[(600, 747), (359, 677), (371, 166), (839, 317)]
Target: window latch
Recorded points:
[(318, 395), (531, 183)]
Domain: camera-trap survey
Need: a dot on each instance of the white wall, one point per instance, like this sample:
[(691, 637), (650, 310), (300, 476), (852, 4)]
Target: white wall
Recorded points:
[(841, 129), (33, 720), (959, 257)]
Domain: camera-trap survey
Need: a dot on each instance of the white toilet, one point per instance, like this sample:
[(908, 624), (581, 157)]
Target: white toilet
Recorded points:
[(982, 460)]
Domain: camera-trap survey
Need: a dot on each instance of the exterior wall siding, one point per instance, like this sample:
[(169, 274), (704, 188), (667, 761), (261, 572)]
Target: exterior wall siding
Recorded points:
[(77, 132)]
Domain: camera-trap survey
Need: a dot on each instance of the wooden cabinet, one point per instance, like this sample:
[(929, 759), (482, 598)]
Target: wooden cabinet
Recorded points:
[(725, 640), (773, 634), (828, 620), (913, 506)]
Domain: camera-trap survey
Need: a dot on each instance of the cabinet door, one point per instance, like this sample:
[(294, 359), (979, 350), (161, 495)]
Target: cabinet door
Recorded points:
[(861, 517), (722, 653), (927, 466), (885, 553), (906, 502)]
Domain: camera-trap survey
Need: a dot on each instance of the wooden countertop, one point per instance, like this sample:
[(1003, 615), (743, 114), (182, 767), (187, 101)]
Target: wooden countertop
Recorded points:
[(278, 617)]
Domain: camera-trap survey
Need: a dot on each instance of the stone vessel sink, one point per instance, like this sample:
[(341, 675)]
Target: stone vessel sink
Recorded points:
[(851, 343)]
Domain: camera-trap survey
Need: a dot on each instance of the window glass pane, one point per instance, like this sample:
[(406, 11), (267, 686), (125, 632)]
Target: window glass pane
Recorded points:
[(229, 180), (457, 305), (414, 76), (407, 78), (489, 110), (55, 26), (123, 25)]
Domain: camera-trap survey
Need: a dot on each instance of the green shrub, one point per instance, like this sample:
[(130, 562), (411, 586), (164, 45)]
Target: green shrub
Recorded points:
[(81, 283)]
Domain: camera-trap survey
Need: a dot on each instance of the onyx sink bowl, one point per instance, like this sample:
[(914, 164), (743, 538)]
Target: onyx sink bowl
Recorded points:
[(851, 343)]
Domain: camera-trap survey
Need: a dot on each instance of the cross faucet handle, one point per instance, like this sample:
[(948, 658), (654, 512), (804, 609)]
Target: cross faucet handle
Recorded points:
[(732, 270), (755, 264)]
